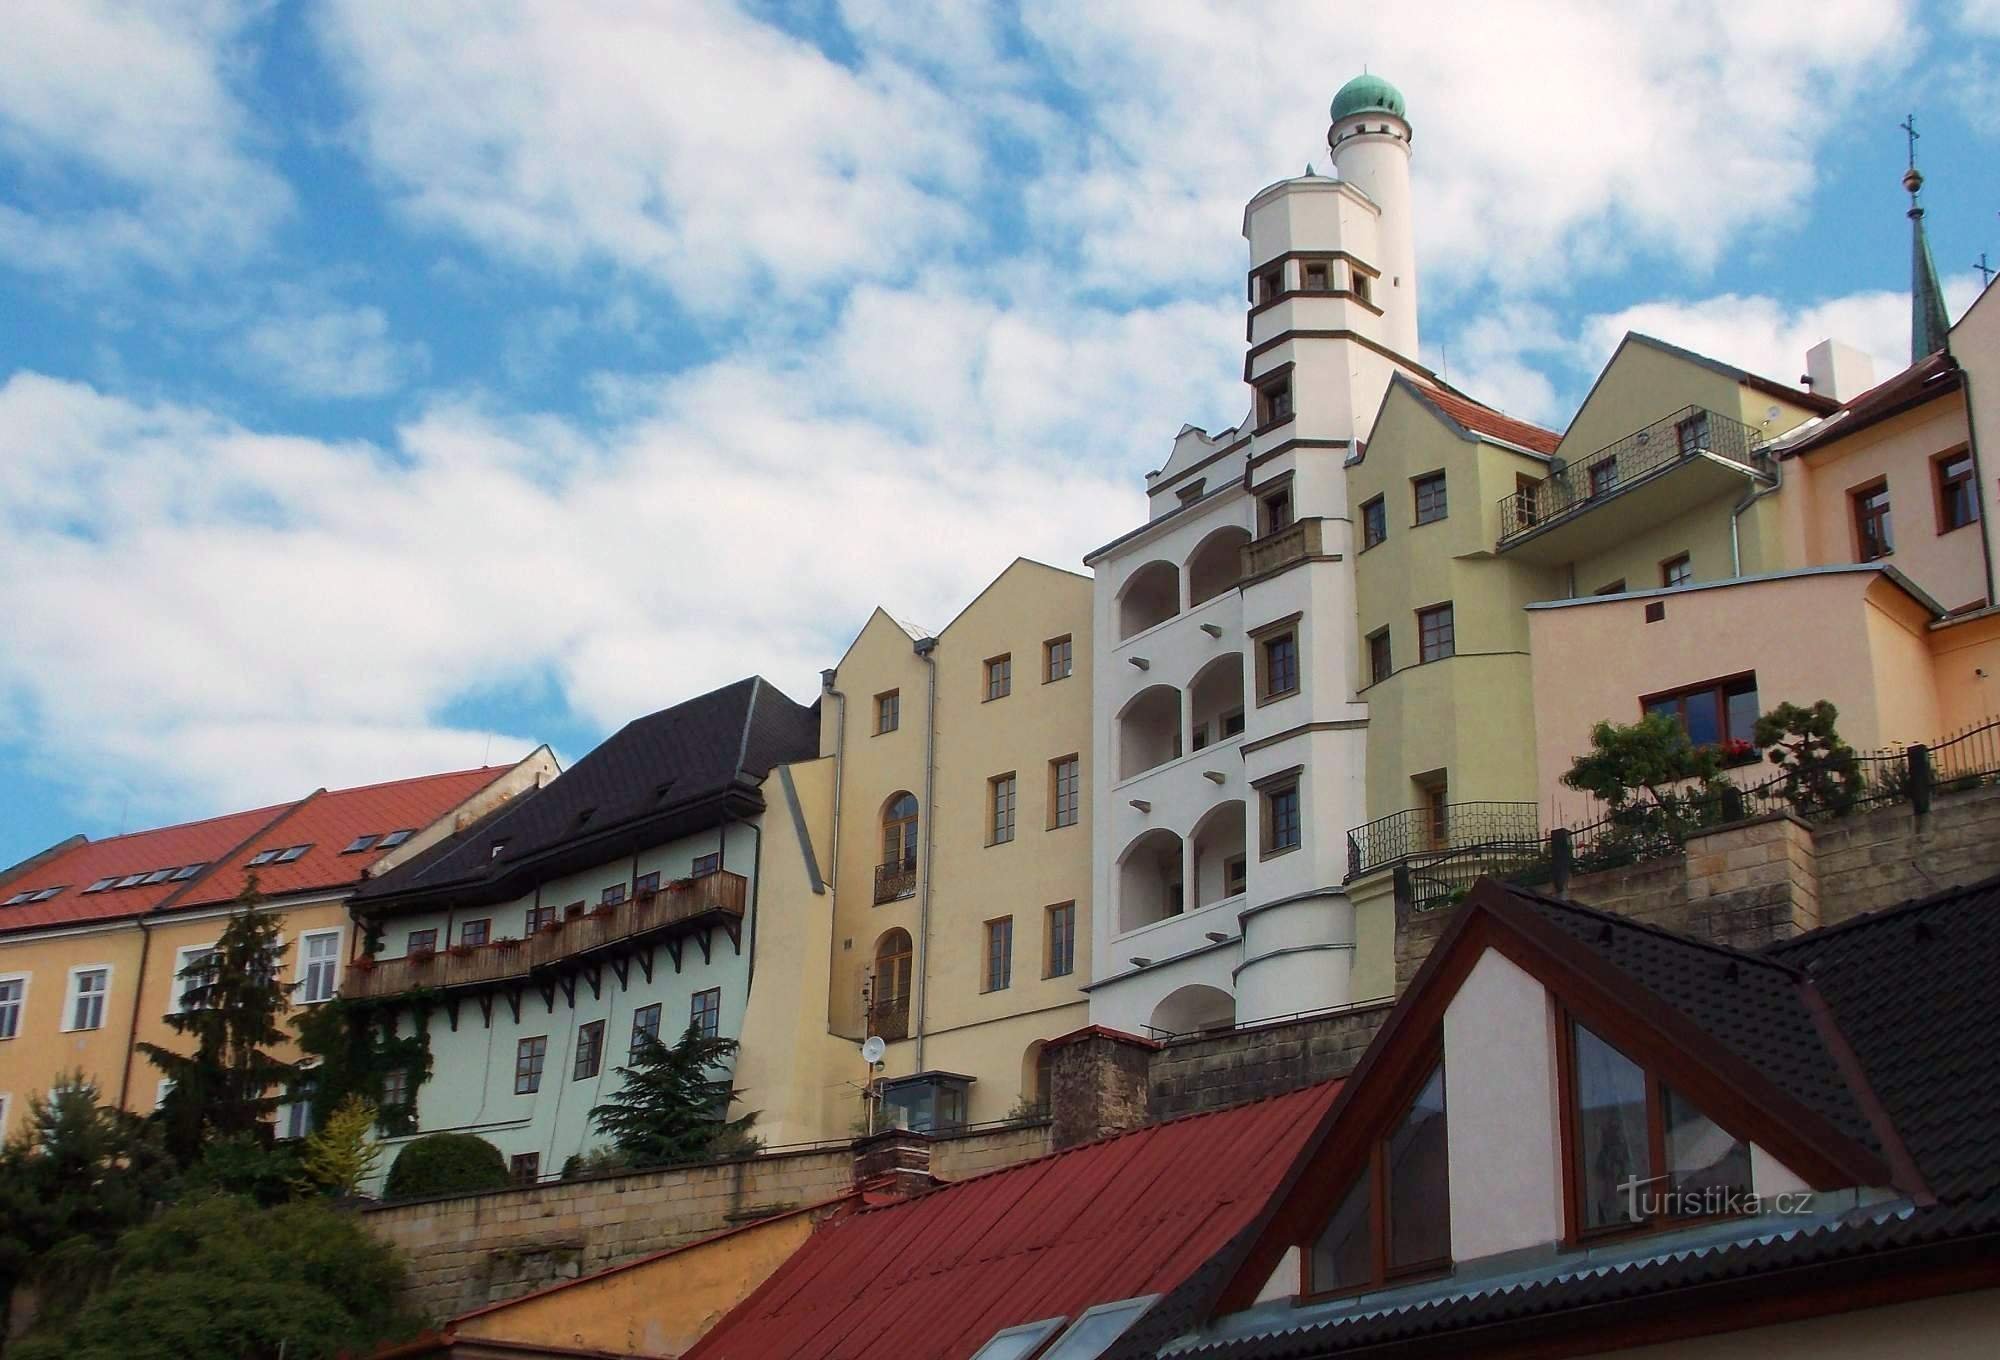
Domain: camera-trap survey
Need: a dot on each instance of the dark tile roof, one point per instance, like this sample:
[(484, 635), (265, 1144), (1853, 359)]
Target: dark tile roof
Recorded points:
[(1923, 381), (724, 741)]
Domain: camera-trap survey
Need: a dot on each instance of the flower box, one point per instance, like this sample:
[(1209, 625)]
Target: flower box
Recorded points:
[(461, 951)]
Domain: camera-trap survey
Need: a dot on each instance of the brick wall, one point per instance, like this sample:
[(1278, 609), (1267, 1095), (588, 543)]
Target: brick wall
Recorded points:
[(468, 1250)]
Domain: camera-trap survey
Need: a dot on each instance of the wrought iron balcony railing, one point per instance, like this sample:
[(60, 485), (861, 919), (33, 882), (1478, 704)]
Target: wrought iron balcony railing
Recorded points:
[(895, 879), (1689, 433), (889, 1018), (677, 909), (1296, 541), (1422, 831)]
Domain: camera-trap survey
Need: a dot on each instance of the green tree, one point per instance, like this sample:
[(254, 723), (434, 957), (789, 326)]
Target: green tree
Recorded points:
[(246, 1165), (1822, 773), (343, 1153), (1651, 757), (231, 1003), (672, 1107), (353, 1048), (219, 1276), (445, 1164)]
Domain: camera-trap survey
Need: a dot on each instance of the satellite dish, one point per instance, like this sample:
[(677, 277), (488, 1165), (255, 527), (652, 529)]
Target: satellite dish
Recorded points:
[(872, 1051)]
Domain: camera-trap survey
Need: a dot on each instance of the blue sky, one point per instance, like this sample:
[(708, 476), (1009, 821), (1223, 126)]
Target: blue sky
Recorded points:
[(388, 387)]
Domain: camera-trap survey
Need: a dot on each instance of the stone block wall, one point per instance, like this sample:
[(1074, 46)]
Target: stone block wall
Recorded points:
[(1208, 1072)]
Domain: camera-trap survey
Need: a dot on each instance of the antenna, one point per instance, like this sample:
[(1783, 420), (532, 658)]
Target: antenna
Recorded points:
[(872, 1050)]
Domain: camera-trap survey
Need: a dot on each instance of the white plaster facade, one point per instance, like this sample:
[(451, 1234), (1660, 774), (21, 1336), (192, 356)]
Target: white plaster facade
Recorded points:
[(1178, 791)]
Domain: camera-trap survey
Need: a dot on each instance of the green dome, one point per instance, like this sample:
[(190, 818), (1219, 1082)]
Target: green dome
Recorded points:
[(1368, 94)]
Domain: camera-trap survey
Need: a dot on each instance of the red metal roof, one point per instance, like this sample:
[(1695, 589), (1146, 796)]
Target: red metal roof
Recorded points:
[(1486, 420), (938, 1275), (223, 845)]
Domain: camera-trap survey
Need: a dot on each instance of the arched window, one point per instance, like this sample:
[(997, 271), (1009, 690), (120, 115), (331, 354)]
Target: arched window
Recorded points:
[(896, 875), (889, 1007)]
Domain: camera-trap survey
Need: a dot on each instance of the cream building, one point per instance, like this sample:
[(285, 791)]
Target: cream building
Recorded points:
[(961, 885)]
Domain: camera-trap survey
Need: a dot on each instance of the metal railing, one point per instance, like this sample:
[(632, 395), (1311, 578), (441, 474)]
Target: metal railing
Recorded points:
[(1294, 543), (1421, 830), (712, 897), (889, 1018), (1689, 433), (894, 880)]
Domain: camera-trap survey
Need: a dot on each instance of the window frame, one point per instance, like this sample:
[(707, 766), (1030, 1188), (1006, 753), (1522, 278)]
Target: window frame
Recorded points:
[(1073, 763), (1596, 489), (589, 1051), (1270, 824), (1275, 512), (1285, 634), (1864, 523), (485, 924), (999, 676), (184, 955), (539, 917), (528, 1065), (423, 941), (888, 712), (1058, 650), (1059, 924), (1721, 686), (1685, 563), (1440, 502), (1943, 485), (524, 1168), (305, 964), (1383, 665), (702, 866), (1003, 805), (1374, 522), (72, 995), (704, 1007), (17, 1008), (996, 954), (1449, 633), (1275, 403), (656, 1010)]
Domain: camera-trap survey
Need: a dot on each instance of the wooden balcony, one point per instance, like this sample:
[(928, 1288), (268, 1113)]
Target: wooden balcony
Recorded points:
[(679, 910), (1296, 542)]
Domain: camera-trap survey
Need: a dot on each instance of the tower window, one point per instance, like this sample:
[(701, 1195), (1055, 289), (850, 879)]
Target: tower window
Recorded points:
[(1436, 637), (1358, 284), (1274, 399), (1317, 276), (1270, 283)]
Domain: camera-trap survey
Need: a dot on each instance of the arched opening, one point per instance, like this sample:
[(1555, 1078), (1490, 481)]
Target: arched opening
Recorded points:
[(896, 874), (1149, 880), (889, 999), (1037, 1064), (1215, 700), (1221, 865), (1149, 730), (1217, 564), (1193, 1008), (1152, 595)]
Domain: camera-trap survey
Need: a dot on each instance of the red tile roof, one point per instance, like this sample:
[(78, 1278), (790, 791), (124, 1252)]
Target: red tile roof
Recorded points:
[(223, 845), (938, 1275), (1485, 420), (1926, 380)]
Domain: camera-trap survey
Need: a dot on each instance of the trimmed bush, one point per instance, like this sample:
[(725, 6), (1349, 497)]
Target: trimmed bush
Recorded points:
[(446, 1164)]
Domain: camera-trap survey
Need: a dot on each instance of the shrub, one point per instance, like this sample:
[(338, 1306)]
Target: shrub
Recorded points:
[(446, 1164)]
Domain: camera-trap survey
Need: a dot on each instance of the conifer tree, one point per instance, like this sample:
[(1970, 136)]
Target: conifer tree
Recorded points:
[(671, 1108), (343, 1153), (231, 1001)]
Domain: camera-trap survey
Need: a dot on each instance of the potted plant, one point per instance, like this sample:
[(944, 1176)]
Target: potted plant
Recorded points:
[(461, 951), (506, 943)]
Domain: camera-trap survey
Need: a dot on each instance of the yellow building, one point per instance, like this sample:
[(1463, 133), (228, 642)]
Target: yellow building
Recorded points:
[(961, 912), (93, 934)]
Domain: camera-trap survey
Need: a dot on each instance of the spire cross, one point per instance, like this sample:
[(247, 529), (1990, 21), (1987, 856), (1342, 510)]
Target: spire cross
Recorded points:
[(1985, 271), (1909, 125)]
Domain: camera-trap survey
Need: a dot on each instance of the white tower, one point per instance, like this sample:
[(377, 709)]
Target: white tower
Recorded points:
[(1370, 141)]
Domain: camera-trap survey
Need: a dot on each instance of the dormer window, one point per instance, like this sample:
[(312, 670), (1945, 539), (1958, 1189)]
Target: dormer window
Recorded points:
[(1395, 1219), (1640, 1152)]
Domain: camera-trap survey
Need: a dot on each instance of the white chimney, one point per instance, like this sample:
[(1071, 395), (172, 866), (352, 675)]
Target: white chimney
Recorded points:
[(1839, 371)]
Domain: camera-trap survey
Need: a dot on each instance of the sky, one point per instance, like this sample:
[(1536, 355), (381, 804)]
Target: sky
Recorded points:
[(390, 386)]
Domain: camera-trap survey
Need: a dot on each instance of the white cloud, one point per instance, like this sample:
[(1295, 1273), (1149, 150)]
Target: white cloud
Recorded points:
[(129, 145), (328, 351), (1980, 16)]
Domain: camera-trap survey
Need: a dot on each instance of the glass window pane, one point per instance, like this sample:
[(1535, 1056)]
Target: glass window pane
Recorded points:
[(1742, 714), (1419, 1200), (1708, 1169), (1704, 718), (1611, 1147), (1340, 1258), (1092, 1334)]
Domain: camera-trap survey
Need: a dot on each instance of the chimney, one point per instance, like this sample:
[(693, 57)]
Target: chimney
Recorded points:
[(1839, 371), (895, 1162)]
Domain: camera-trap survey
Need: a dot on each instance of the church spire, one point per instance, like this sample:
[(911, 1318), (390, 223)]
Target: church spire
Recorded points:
[(1928, 321)]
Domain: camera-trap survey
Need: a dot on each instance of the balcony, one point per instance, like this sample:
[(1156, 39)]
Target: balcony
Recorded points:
[(1594, 503), (1275, 551), (1422, 831), (889, 1018), (676, 911), (894, 880)]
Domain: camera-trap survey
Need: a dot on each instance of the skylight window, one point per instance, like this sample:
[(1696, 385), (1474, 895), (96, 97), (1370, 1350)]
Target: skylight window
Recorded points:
[(17, 899), (1093, 1332), (265, 856), (46, 893), (1018, 1343), (101, 884), (395, 838), (158, 876), (131, 880), (360, 843), (292, 853), (187, 872)]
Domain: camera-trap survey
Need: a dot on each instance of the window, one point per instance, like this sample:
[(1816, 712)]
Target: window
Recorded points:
[(1018, 1343), (1235, 875), (540, 918), (1274, 400), (1873, 535), (525, 1167), (1000, 805), (1065, 791), (1957, 493), (645, 1027), (704, 865), (612, 895), (1691, 435), (1437, 811), (292, 854), (261, 857), (1617, 587), (1527, 501), (896, 876), (395, 838), (1711, 713), (589, 1051), (359, 843), (99, 886), (999, 954), (87, 989), (1277, 510), (1280, 655), (476, 932), (13, 999), (927, 1104), (1062, 940), (572, 911), (423, 942), (705, 1012), (1395, 1220), (298, 1121), (129, 881), (319, 956), (1435, 633), (528, 1056), (1380, 664), (1360, 285), (1677, 571), (1642, 1153), (999, 677), (1271, 282), (889, 1014), (1603, 476), (888, 711), (395, 1089), (157, 876), (1374, 522), (1282, 826), (1430, 497), (1316, 276), (1059, 655)]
